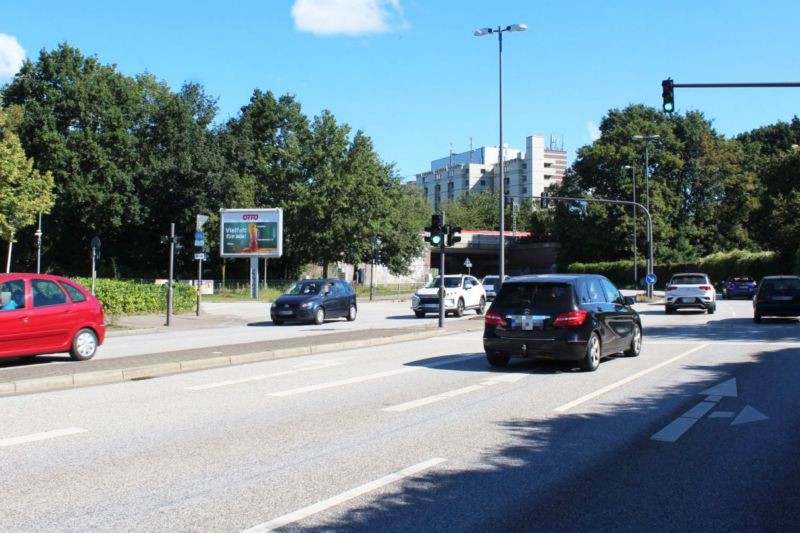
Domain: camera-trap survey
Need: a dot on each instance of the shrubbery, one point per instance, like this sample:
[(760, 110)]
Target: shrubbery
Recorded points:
[(131, 298)]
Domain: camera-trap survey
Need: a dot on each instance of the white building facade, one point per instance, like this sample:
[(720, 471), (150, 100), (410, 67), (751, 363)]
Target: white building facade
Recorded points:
[(526, 173)]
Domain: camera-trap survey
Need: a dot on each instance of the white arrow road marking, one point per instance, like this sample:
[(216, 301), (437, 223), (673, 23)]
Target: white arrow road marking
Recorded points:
[(749, 414), (726, 388), (305, 512), (40, 436), (678, 427)]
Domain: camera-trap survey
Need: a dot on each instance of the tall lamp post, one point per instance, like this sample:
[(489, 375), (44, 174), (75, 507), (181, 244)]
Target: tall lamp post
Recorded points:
[(633, 180), (499, 31), (647, 140), (39, 234)]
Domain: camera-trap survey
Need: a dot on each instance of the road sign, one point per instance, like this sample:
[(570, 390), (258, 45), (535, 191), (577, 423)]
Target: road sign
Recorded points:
[(200, 257), (199, 238), (651, 278), (468, 263), (96, 243), (200, 222)]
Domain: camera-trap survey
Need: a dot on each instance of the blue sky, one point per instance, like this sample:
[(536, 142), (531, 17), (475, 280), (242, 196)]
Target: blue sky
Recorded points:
[(412, 76)]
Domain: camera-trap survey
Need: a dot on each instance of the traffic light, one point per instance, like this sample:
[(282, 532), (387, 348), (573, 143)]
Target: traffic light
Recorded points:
[(436, 230), (453, 235), (545, 202), (668, 93)]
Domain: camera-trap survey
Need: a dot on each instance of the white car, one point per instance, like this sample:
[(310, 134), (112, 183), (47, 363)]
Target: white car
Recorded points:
[(460, 293), (692, 290), (490, 285)]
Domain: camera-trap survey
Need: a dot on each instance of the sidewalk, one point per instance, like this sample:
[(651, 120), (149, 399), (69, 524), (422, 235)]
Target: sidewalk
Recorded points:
[(33, 376)]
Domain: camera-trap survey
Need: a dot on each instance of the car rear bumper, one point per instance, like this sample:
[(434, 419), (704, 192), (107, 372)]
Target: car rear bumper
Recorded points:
[(696, 302), (777, 309), (568, 346)]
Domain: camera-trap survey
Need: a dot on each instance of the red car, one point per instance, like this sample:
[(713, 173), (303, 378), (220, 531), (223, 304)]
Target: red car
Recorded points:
[(41, 313)]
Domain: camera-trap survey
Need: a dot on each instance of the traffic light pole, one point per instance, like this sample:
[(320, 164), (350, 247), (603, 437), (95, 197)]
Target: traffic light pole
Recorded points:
[(171, 266), (441, 285)]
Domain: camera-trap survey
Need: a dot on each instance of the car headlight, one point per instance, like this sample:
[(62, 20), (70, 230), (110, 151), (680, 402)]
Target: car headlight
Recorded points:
[(306, 305), (414, 300), (273, 306)]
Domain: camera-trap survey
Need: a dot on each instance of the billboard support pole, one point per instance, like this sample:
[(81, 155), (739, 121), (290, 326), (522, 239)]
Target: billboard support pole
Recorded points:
[(254, 277)]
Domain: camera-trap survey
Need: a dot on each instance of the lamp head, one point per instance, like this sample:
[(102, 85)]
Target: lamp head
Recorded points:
[(517, 27), (483, 31)]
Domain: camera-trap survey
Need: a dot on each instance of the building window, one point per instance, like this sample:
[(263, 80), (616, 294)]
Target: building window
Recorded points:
[(426, 192), (483, 183), (548, 176), (548, 165), (524, 190)]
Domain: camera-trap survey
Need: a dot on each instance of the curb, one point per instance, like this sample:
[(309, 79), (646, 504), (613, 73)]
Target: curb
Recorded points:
[(98, 377)]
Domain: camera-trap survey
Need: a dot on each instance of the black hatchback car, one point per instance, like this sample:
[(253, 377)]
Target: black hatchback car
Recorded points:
[(314, 300), (571, 317), (777, 296)]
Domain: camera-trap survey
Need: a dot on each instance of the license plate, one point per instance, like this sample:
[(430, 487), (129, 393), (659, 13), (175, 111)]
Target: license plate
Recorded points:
[(782, 298), (285, 312), (527, 322), (687, 299)]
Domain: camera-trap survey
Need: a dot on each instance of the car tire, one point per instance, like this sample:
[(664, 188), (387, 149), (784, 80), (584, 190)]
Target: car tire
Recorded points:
[(757, 318), (278, 322), (481, 306), (351, 314), (591, 360), (635, 347), (419, 314), (668, 310), (712, 309), (84, 345), (497, 360), (319, 316), (459, 308)]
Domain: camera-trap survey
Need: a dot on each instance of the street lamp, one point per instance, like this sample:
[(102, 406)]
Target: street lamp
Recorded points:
[(647, 140), (38, 233), (499, 31), (633, 180)]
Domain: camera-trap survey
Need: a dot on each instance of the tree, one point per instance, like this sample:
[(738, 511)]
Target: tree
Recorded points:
[(24, 191)]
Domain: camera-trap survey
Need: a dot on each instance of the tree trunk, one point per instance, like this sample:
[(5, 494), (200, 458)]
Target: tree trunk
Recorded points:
[(325, 269)]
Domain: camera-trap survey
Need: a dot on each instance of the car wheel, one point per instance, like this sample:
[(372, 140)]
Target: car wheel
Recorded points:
[(481, 307), (278, 322), (668, 310), (497, 360), (591, 360), (319, 316), (420, 314), (636, 342), (351, 315), (84, 345), (460, 308), (757, 318), (712, 309)]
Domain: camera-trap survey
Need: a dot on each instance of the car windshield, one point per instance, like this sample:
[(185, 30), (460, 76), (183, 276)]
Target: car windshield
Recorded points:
[(490, 280), (449, 283), (688, 280), (305, 287)]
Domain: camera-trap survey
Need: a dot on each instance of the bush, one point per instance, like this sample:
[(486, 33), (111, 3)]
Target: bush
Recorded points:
[(131, 298)]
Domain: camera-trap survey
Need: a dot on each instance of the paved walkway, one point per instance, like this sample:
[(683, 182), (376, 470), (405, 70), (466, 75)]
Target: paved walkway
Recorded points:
[(58, 372)]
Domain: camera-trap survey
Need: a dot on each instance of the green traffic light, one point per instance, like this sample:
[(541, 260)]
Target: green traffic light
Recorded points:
[(668, 107), (436, 239)]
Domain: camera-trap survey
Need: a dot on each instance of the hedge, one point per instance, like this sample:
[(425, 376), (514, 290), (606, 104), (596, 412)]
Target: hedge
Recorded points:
[(131, 298), (718, 266)]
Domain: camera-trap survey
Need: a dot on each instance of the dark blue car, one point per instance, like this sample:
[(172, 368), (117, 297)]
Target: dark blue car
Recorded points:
[(314, 300), (739, 287)]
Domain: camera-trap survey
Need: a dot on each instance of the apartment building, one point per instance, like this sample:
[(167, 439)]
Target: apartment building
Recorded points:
[(527, 173)]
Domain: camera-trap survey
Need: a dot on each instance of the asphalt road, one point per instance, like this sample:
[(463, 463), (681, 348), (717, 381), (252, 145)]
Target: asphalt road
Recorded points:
[(700, 432)]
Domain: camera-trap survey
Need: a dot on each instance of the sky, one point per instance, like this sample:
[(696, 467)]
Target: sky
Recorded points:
[(413, 77)]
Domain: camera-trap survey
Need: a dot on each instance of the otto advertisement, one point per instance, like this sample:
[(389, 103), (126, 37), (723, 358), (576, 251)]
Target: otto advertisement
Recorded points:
[(251, 232)]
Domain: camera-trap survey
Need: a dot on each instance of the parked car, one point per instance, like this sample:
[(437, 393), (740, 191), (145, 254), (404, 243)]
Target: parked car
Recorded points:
[(571, 317), (462, 292), (314, 300), (690, 289), (490, 285), (739, 287), (42, 314), (777, 296)]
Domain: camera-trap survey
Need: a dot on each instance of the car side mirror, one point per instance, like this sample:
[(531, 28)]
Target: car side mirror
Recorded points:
[(629, 300)]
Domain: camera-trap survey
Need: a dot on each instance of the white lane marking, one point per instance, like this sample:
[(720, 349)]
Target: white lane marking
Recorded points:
[(40, 436), (747, 415), (413, 404), (300, 368), (721, 414), (369, 377), (318, 507), (675, 429), (632, 377), (699, 410)]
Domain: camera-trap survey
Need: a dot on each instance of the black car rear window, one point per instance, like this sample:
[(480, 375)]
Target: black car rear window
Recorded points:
[(775, 285), (688, 280), (538, 297)]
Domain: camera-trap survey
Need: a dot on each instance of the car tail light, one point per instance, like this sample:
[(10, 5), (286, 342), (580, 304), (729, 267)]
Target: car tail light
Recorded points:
[(705, 287), (572, 318), (494, 319)]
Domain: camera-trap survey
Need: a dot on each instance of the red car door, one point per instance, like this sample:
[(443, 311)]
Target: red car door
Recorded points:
[(51, 319), (15, 337)]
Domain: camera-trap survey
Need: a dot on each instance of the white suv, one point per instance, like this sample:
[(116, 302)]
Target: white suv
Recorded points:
[(460, 293), (692, 290)]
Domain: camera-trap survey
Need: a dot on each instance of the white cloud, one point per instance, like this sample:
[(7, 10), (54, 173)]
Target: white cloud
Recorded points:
[(346, 17), (11, 55), (594, 131)]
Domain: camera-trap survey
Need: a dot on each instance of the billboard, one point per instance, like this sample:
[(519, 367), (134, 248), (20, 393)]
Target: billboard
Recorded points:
[(251, 232)]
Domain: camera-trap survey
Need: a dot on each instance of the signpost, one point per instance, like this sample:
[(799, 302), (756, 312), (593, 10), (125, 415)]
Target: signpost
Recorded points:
[(199, 244), (95, 252), (468, 264)]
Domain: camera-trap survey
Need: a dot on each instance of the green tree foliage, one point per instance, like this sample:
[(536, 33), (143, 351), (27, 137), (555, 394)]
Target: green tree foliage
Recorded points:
[(24, 191)]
